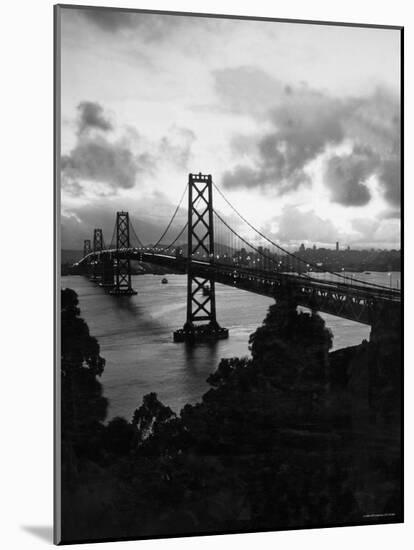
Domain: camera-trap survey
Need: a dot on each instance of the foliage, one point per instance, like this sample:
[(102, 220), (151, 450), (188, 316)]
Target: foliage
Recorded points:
[(262, 450), (292, 348), (82, 403)]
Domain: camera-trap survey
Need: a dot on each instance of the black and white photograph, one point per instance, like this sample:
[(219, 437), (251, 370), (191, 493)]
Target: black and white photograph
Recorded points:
[(228, 202)]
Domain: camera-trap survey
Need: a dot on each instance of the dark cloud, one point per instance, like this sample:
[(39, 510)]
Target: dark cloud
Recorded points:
[(91, 116), (346, 176), (375, 126), (102, 161), (390, 177), (304, 124), (111, 20), (117, 163), (242, 176), (96, 158), (151, 27)]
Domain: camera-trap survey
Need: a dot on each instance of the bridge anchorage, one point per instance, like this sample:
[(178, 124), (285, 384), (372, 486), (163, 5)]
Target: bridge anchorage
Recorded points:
[(122, 265), (201, 296)]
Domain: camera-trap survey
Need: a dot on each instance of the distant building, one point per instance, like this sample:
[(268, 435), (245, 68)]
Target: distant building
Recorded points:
[(337, 246)]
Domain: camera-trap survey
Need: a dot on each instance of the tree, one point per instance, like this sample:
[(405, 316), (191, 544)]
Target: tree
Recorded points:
[(83, 407), (118, 436), (232, 371), (151, 413), (292, 348)]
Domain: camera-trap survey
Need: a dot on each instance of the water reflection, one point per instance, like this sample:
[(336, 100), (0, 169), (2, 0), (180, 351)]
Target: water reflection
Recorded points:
[(135, 335)]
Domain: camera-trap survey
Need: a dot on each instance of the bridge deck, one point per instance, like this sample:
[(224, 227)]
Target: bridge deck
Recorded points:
[(357, 302)]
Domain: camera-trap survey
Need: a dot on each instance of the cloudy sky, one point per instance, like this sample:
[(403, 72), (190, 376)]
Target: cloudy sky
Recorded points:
[(298, 124)]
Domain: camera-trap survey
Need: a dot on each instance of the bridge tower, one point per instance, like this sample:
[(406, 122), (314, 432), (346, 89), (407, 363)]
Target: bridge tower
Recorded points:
[(201, 297), (87, 250), (86, 247), (122, 285), (97, 261)]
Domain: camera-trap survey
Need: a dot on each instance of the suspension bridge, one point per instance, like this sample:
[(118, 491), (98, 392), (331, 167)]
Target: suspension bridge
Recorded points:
[(209, 250)]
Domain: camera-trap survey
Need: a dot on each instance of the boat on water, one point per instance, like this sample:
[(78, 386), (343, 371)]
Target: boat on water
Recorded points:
[(164, 281)]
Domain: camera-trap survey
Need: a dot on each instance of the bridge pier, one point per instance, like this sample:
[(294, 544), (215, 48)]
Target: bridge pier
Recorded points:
[(201, 297), (108, 272), (122, 285)]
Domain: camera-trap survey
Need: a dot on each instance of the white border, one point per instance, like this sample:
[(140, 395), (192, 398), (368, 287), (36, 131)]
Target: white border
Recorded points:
[(27, 281)]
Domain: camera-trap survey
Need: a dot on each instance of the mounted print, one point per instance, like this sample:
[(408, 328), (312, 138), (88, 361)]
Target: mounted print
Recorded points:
[(228, 252)]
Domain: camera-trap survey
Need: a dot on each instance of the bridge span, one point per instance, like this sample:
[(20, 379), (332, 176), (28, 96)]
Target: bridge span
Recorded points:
[(278, 274), (360, 303)]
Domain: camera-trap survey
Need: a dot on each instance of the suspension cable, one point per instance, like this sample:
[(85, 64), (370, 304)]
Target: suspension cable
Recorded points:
[(176, 238), (172, 219), (340, 275), (182, 230), (135, 235), (261, 253), (112, 242)]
